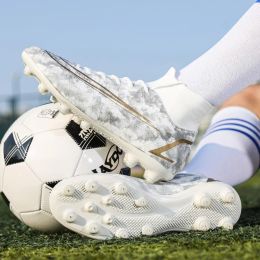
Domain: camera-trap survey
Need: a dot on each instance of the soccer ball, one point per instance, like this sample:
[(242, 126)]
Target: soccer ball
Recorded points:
[(40, 149)]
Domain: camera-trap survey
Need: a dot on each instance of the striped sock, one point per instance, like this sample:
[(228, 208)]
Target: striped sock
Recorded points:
[(230, 149)]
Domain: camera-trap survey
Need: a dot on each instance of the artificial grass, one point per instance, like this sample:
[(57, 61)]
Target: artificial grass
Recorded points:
[(19, 242)]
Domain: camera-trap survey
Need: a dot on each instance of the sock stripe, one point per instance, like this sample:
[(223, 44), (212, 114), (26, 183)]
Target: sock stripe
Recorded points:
[(237, 119), (234, 124), (241, 132)]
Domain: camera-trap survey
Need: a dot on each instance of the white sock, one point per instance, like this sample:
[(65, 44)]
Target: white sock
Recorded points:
[(230, 149), (231, 65)]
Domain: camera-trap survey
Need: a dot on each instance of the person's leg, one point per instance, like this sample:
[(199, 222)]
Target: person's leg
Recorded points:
[(228, 67), (231, 64), (230, 149)]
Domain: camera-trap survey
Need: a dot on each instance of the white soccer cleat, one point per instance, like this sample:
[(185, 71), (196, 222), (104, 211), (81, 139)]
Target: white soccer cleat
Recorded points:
[(130, 114), (127, 207)]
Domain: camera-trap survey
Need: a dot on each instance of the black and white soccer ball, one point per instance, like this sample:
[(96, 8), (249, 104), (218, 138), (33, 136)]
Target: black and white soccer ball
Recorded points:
[(42, 148)]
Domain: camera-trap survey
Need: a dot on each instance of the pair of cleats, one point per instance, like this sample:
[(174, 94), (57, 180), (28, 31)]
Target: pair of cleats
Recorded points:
[(132, 115)]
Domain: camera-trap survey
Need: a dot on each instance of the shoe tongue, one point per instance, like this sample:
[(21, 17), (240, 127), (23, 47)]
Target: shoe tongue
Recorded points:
[(168, 79)]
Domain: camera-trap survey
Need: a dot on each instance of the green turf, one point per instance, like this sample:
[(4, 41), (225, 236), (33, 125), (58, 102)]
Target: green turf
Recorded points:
[(20, 242)]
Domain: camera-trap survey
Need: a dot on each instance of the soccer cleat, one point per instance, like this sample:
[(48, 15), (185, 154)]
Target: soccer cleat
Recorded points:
[(129, 113), (127, 207)]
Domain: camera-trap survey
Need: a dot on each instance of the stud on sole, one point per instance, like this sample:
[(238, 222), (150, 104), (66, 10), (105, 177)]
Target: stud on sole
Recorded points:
[(201, 224), (202, 200), (130, 160), (69, 216), (227, 196)]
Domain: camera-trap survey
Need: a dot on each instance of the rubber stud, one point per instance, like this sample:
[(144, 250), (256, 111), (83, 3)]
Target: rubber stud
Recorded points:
[(91, 186), (92, 228), (120, 188), (69, 216), (84, 125), (76, 119), (152, 176), (122, 233), (147, 230), (227, 196), (42, 89), (64, 109), (108, 219), (27, 71), (69, 190), (202, 200), (90, 207), (226, 223), (107, 200), (202, 224), (141, 202), (130, 160), (53, 99)]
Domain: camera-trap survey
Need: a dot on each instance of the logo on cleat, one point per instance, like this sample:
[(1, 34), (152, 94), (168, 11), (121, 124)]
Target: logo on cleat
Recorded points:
[(16, 149), (111, 162)]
